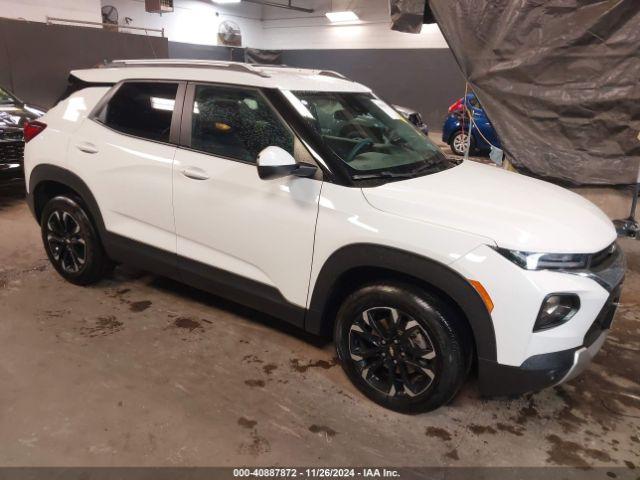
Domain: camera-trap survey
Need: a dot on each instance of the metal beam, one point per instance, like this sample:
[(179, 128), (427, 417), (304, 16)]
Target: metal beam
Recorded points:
[(52, 20), (286, 6)]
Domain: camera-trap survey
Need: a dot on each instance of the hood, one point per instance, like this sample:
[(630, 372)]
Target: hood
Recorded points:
[(515, 211)]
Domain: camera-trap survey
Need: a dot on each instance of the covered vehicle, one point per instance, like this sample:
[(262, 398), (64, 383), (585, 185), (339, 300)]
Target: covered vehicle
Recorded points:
[(13, 115), (455, 131), (559, 79)]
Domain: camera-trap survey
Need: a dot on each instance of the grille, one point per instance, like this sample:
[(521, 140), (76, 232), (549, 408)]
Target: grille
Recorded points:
[(11, 152)]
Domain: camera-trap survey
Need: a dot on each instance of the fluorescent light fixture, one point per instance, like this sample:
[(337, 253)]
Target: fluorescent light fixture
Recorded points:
[(345, 16), (225, 1)]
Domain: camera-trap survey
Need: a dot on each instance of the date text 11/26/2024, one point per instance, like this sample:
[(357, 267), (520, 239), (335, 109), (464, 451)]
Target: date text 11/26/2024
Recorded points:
[(316, 473)]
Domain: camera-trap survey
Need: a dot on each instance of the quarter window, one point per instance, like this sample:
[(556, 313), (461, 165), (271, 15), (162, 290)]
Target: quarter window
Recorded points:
[(235, 123), (142, 109)]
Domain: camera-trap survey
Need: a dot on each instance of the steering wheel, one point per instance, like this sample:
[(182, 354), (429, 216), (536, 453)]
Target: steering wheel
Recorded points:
[(359, 148)]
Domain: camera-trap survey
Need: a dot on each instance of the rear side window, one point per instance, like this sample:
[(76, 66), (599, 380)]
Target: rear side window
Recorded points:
[(236, 123), (142, 109)]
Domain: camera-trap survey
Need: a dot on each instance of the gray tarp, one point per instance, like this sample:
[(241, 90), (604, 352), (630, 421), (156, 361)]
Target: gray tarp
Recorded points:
[(559, 79)]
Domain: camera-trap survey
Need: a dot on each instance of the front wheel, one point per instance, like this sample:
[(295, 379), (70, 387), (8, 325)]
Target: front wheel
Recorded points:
[(71, 242), (401, 347)]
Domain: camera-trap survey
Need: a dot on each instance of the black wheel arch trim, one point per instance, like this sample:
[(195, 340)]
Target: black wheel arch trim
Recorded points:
[(53, 173), (429, 271)]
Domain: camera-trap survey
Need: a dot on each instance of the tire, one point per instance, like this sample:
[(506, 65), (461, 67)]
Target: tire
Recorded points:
[(457, 143), (72, 243), (432, 352)]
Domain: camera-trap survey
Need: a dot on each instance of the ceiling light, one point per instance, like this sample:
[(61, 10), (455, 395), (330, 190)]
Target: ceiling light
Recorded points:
[(346, 16), (226, 1)]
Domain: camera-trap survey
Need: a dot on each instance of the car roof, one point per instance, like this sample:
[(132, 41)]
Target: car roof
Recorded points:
[(236, 73)]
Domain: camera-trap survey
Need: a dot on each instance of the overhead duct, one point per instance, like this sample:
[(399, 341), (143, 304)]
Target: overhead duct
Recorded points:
[(558, 79)]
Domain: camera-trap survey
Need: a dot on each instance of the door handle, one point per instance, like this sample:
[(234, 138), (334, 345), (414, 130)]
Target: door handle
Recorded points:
[(87, 147), (195, 173)]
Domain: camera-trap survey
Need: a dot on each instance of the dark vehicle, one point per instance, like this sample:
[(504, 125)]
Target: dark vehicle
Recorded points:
[(456, 128), (13, 114), (414, 117)]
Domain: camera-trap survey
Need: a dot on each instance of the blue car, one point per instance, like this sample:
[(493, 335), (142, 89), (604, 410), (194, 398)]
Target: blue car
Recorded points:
[(456, 128)]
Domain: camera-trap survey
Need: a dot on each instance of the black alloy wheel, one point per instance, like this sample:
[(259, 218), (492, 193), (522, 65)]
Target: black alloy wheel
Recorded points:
[(71, 241), (402, 346), (66, 243), (392, 352)]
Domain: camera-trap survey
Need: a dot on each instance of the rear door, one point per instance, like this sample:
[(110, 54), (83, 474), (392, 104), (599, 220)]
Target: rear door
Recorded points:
[(125, 154), (247, 238)]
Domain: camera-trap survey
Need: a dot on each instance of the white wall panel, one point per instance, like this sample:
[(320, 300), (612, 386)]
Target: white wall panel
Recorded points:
[(38, 10)]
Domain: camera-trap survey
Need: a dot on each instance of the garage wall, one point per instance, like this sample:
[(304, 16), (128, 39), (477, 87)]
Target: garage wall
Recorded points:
[(35, 58), (411, 70), (205, 52)]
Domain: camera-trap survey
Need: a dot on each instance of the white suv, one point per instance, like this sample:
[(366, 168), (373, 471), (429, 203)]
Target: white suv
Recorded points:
[(303, 194)]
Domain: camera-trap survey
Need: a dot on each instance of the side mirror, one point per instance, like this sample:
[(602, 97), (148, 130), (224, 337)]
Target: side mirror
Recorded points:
[(275, 162)]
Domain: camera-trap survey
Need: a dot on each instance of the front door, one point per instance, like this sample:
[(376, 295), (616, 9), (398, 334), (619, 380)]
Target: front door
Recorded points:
[(237, 235)]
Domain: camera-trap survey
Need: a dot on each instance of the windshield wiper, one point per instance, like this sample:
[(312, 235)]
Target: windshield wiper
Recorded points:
[(383, 174), (389, 174)]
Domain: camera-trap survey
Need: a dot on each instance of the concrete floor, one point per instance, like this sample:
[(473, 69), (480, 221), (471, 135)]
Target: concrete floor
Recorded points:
[(139, 370)]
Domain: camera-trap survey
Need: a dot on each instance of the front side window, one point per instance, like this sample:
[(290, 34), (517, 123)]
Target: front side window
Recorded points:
[(142, 109), (236, 123), (368, 135)]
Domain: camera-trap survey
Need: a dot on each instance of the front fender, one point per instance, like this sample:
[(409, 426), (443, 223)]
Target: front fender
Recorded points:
[(423, 269)]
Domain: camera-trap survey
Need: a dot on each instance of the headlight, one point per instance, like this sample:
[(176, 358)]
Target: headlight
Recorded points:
[(546, 261)]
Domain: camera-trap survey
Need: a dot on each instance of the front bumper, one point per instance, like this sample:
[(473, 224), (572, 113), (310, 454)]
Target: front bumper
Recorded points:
[(545, 370)]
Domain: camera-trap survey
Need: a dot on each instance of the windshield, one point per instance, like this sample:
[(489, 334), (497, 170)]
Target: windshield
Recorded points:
[(368, 135)]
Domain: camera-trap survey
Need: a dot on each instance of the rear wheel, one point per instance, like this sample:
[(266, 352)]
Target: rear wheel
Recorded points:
[(71, 242), (460, 142), (401, 347)]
